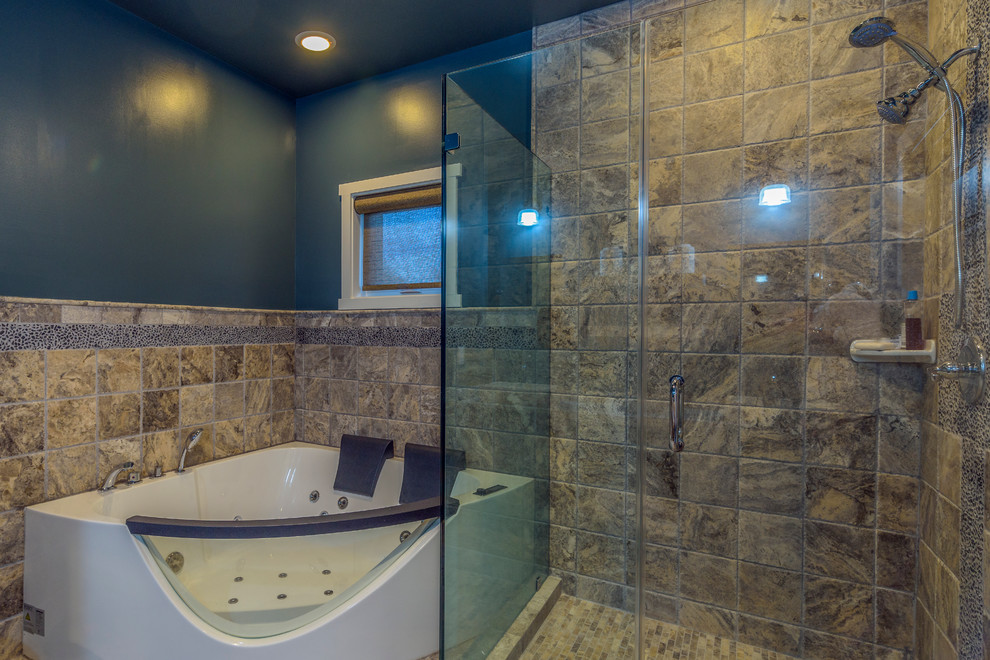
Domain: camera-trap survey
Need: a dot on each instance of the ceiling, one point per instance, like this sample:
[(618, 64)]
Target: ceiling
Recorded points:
[(373, 36)]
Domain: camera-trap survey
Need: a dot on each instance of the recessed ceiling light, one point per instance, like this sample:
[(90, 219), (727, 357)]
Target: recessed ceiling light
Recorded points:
[(315, 41)]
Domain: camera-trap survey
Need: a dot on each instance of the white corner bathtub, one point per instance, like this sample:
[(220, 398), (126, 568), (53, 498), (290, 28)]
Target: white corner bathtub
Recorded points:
[(107, 593)]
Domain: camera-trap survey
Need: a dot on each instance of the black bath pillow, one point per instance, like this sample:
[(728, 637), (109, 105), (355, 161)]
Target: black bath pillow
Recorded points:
[(360, 463)]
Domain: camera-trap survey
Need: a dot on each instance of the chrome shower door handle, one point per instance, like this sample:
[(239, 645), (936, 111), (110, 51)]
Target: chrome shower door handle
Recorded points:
[(676, 413)]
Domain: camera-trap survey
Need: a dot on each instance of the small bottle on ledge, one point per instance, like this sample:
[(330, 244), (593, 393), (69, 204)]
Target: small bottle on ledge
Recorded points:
[(911, 337)]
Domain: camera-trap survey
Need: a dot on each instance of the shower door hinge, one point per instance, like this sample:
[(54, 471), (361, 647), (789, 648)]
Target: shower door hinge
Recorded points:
[(451, 141)]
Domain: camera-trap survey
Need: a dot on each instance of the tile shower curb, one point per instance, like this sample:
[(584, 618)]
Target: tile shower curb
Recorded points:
[(524, 628)]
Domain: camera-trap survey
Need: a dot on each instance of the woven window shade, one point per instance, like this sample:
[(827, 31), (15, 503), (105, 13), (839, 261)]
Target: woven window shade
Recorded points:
[(397, 200), (402, 239)]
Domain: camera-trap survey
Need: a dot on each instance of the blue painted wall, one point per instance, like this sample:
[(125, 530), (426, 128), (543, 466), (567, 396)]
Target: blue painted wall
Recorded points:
[(135, 168), (376, 127)]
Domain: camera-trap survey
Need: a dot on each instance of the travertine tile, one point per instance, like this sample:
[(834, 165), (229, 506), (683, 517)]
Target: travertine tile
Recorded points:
[(665, 36), (283, 360), (770, 592), (160, 367), (605, 52), (776, 114), (70, 373), (197, 365), (777, 60), (257, 361), (774, 327), (770, 539), (119, 370), (22, 429), (70, 422), (11, 537), (714, 74), (708, 579), (228, 438), (70, 471), (160, 410), (773, 381), (119, 415), (709, 529), (229, 363), (713, 24), (896, 562), (258, 397), (839, 551), (838, 607), (768, 16), (21, 481), (770, 486), (229, 400), (840, 495), (772, 433)]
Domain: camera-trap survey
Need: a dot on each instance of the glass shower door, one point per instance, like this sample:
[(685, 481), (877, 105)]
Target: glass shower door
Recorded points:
[(776, 525), (496, 356)]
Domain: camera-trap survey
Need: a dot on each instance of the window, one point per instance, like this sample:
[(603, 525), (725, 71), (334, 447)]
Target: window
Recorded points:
[(391, 241)]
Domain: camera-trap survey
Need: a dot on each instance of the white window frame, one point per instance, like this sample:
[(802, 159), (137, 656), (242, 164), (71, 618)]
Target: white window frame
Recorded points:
[(351, 294)]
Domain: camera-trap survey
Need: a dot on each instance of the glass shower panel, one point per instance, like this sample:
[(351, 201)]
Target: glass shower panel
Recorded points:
[(587, 129), (496, 352), (770, 528)]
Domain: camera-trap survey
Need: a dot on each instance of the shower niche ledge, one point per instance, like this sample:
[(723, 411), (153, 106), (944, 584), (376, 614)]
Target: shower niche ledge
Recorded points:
[(865, 350)]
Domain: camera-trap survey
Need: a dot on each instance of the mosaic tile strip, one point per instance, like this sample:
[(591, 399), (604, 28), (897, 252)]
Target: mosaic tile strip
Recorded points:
[(511, 338), (498, 337), (51, 336), (382, 336)]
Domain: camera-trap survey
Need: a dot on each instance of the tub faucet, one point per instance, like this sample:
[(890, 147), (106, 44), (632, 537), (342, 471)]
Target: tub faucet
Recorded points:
[(193, 439), (109, 484)]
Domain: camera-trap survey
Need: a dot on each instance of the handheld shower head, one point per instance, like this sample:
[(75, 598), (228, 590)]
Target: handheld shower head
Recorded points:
[(872, 32), (891, 111), (194, 439), (895, 109)]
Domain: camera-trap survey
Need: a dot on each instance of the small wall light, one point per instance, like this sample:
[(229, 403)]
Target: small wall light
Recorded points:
[(775, 195), (528, 218), (315, 41)]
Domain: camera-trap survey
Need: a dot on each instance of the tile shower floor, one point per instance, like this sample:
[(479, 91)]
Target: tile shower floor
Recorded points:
[(582, 630)]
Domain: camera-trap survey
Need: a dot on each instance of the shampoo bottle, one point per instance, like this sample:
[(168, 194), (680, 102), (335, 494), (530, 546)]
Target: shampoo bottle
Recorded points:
[(911, 337)]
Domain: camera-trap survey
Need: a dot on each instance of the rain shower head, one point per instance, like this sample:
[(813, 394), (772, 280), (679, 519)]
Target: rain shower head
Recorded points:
[(878, 30), (872, 32)]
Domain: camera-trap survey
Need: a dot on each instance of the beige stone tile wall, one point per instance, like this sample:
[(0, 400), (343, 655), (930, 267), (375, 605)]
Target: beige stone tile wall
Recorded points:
[(68, 417), (790, 521), (387, 391)]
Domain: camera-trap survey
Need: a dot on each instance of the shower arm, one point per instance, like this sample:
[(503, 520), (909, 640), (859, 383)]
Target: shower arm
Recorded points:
[(972, 50)]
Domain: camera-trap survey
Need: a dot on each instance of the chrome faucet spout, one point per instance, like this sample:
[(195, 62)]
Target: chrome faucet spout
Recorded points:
[(193, 439), (111, 481)]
